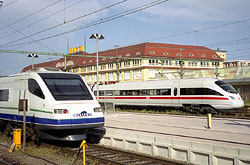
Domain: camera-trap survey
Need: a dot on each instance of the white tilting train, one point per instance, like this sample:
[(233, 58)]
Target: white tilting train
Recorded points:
[(202, 95), (59, 106)]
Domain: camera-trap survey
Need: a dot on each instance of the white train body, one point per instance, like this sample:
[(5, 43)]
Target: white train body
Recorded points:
[(60, 105), (204, 94)]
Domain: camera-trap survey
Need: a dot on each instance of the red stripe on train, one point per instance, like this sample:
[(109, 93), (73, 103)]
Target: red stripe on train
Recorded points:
[(167, 98)]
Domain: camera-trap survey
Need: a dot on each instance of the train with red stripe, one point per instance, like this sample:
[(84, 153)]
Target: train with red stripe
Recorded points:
[(195, 95)]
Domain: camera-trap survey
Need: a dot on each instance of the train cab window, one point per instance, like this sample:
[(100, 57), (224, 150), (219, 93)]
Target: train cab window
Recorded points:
[(4, 95), (35, 89), (225, 86), (175, 91)]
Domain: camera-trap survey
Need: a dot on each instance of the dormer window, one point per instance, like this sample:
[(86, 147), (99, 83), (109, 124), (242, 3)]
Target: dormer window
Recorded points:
[(165, 53), (138, 53), (90, 60), (127, 55), (191, 55), (152, 52), (84, 62), (214, 56), (203, 55), (178, 54)]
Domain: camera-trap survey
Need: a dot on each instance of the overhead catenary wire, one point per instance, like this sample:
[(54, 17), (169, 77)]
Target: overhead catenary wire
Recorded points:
[(25, 35), (3, 6), (66, 22), (116, 16), (31, 14), (44, 18)]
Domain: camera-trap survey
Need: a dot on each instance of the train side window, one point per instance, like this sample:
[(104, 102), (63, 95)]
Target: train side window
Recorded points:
[(4, 95), (108, 93), (101, 93), (152, 92), (163, 92), (175, 91), (35, 89), (116, 93)]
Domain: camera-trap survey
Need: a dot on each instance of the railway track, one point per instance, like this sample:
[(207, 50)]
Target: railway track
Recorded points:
[(95, 155), (115, 156)]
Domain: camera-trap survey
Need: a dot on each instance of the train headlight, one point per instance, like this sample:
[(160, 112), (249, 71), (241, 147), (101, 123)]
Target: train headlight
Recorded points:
[(61, 111), (98, 109), (232, 97)]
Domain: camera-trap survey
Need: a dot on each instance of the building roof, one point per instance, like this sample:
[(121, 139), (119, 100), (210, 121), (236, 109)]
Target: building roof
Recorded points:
[(143, 50)]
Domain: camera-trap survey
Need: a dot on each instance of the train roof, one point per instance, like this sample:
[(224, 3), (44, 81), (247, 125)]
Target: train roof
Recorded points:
[(151, 84), (36, 71)]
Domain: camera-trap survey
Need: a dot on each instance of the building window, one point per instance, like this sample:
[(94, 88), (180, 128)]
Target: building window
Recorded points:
[(214, 56), (191, 55), (203, 55), (153, 62), (138, 53), (137, 74), (90, 60), (204, 64), (89, 78), (127, 55), (136, 62), (126, 63), (89, 68), (110, 66), (103, 67), (103, 77), (127, 75), (192, 63), (110, 76), (83, 69), (152, 73), (178, 54), (84, 62)]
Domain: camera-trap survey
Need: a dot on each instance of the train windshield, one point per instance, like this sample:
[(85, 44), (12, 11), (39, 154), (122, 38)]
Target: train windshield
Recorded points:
[(67, 87), (225, 86)]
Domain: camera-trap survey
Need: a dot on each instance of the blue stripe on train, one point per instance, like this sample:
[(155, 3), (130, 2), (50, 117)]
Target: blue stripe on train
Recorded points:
[(37, 120)]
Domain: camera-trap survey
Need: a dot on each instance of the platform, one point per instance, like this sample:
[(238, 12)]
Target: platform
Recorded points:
[(184, 138)]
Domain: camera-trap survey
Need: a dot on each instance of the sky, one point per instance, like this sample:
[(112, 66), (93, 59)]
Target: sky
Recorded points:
[(52, 25)]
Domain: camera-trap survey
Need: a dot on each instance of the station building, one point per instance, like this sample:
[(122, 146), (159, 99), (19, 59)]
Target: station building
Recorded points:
[(140, 62)]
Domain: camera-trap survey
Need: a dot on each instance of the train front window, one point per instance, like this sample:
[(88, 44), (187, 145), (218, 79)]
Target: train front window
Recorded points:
[(225, 86), (68, 89)]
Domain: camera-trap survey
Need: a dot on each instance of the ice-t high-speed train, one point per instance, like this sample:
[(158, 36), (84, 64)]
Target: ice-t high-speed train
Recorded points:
[(203, 94), (60, 105)]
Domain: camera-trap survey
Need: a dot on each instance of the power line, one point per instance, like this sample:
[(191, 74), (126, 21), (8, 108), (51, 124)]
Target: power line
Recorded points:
[(3, 6), (44, 18), (31, 14), (207, 28), (25, 35), (128, 12), (112, 5)]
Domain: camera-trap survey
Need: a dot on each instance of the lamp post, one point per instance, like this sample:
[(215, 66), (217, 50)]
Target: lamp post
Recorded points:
[(1, 3), (181, 63), (97, 37), (117, 63), (33, 56), (217, 70)]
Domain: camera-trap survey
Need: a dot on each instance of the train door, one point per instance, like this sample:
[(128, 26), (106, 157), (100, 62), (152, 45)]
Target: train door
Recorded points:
[(175, 93)]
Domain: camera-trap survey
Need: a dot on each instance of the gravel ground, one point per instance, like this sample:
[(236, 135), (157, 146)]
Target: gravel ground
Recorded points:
[(20, 158)]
